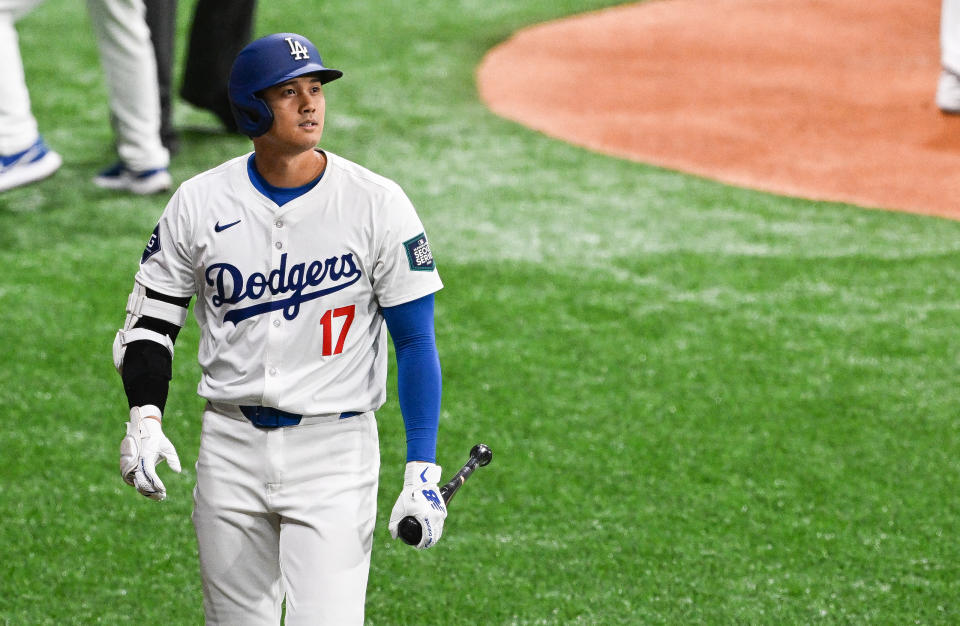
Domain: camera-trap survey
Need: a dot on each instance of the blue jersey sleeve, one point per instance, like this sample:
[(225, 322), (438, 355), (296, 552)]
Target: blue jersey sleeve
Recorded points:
[(419, 381)]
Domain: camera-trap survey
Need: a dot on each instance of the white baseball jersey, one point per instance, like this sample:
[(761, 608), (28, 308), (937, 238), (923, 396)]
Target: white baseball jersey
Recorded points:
[(288, 298)]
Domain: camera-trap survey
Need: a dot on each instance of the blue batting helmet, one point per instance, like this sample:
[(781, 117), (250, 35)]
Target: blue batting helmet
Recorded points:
[(264, 63)]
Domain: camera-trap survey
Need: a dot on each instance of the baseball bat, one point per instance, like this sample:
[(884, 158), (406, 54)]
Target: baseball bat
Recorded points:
[(409, 528)]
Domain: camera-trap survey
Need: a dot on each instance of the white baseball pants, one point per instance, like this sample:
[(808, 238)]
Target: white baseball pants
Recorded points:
[(18, 127), (126, 55), (285, 512)]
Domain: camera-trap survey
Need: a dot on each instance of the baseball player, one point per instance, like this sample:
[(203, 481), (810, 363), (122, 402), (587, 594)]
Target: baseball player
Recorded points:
[(300, 261)]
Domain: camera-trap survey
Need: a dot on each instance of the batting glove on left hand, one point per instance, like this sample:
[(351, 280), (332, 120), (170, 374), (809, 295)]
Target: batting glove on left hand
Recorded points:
[(421, 499), (142, 448)]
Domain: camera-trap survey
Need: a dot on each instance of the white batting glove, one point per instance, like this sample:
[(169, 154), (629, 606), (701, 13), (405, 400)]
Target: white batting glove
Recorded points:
[(421, 499), (142, 448)]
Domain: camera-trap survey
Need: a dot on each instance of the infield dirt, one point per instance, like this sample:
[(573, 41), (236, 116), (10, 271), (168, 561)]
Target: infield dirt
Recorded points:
[(828, 100)]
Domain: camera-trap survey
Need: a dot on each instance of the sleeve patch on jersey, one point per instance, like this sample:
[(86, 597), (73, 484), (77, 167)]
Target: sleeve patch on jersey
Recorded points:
[(153, 246), (418, 254)]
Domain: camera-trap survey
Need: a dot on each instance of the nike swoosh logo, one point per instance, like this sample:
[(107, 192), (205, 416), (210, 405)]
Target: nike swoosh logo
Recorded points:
[(220, 228)]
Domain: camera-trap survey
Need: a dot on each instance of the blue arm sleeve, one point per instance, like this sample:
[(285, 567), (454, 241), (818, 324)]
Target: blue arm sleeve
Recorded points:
[(419, 382)]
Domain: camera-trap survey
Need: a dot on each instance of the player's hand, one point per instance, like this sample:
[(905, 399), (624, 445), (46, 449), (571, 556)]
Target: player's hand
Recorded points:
[(142, 448), (421, 499)]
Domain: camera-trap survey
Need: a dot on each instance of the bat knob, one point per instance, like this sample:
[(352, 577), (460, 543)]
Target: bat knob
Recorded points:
[(482, 453), (409, 530)]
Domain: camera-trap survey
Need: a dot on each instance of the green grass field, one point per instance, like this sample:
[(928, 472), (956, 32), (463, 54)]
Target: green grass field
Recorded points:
[(707, 405)]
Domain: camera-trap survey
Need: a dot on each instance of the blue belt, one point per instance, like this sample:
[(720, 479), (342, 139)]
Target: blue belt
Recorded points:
[(269, 417)]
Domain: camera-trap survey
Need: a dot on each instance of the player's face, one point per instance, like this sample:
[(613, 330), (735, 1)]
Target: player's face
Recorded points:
[(298, 109)]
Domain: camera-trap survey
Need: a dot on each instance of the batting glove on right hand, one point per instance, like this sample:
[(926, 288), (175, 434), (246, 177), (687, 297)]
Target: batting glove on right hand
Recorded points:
[(142, 448), (421, 499)]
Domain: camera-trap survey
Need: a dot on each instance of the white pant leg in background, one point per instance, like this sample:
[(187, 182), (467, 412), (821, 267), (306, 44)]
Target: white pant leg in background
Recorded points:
[(130, 67), (950, 35), (303, 497), (18, 127)]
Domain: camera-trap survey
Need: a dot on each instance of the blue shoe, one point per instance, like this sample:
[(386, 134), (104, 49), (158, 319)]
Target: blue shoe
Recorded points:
[(33, 164), (142, 183)]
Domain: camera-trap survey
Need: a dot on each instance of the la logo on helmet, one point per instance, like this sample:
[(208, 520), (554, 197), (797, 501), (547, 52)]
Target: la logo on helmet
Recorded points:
[(297, 50)]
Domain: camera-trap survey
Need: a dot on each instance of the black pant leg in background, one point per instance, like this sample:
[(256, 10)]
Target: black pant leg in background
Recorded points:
[(220, 29), (162, 21)]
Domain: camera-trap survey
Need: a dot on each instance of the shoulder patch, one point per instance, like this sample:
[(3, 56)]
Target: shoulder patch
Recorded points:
[(153, 246), (418, 253)]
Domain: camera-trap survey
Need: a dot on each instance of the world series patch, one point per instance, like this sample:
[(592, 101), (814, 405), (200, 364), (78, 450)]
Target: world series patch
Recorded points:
[(418, 253), (153, 246)]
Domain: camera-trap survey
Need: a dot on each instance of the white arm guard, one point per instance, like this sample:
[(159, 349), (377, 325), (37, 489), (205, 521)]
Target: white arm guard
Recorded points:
[(139, 305), (125, 337)]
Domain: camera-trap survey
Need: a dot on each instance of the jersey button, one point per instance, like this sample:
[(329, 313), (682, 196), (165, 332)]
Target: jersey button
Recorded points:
[(278, 245), (273, 371), (278, 223), (276, 322)]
